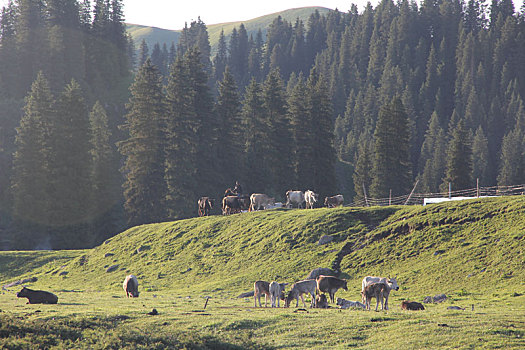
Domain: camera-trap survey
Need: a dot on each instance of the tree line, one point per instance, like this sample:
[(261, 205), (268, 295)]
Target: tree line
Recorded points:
[(351, 102)]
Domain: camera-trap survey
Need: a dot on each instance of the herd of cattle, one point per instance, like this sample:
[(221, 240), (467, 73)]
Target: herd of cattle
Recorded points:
[(235, 203), (371, 287)]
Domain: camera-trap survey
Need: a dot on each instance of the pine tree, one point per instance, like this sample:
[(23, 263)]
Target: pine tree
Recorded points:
[(432, 158), (256, 138), (512, 165), (321, 135), (363, 166), (31, 171), (481, 164), (69, 161), (221, 58), (459, 160), (105, 199), (182, 143), (280, 137), (231, 138), (144, 187), (143, 52), (391, 164)]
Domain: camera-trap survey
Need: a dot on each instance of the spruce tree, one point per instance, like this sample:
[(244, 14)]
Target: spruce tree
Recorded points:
[(182, 143), (31, 171), (230, 135), (512, 165), (363, 166), (391, 164), (144, 187), (481, 164), (459, 160), (69, 161), (105, 198), (256, 138), (280, 138)]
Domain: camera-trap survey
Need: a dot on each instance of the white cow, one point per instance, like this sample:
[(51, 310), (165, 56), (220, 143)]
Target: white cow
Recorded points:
[(300, 288), (131, 286), (310, 198), (294, 198), (390, 283), (276, 292), (258, 200)]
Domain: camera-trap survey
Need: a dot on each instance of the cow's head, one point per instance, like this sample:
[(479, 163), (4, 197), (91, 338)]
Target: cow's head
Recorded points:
[(23, 293), (345, 287), (211, 203), (326, 201), (315, 196), (288, 299), (393, 283)]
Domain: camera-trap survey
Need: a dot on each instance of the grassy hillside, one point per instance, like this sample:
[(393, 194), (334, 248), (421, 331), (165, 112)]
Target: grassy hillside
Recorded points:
[(153, 35), (473, 251)]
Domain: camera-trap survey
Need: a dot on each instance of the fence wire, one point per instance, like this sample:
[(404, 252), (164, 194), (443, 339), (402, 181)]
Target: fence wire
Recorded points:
[(418, 198)]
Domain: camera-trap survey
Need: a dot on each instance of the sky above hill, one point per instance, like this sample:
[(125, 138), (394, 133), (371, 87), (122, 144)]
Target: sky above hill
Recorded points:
[(169, 14), (172, 14)]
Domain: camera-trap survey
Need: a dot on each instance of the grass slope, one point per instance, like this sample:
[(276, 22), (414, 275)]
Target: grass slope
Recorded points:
[(473, 251), (153, 35)]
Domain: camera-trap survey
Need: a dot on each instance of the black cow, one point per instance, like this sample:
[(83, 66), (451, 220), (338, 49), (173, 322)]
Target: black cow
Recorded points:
[(205, 205), (37, 296)]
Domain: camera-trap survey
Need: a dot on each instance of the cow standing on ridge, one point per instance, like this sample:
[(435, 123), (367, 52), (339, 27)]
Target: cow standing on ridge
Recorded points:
[(310, 198)]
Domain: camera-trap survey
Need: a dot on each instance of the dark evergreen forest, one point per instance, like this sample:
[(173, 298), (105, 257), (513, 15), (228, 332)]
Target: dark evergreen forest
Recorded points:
[(94, 139)]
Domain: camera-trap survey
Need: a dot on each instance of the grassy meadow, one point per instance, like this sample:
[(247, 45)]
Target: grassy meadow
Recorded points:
[(472, 251)]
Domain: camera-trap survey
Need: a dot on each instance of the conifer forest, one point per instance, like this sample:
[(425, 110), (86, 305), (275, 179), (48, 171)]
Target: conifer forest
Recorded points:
[(98, 134)]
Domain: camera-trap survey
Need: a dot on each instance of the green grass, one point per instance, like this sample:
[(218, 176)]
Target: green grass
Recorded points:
[(473, 251)]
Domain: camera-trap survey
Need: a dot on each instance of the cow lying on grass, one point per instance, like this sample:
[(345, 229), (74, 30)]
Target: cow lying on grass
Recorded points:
[(346, 304), (411, 305), (374, 290), (300, 288), (321, 302), (131, 286), (37, 296)]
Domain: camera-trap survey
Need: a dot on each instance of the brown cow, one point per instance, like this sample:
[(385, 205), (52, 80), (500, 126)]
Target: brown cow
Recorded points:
[(205, 205), (411, 305), (334, 201), (231, 205), (374, 290), (263, 287), (321, 302), (37, 296), (330, 285)]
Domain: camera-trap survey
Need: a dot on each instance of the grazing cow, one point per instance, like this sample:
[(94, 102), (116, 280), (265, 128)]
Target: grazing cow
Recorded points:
[(131, 286), (346, 304), (259, 200), (230, 205), (205, 205), (321, 302), (300, 288), (37, 296), (294, 198), (330, 285), (411, 305), (276, 292), (374, 290), (391, 283), (334, 201), (310, 198)]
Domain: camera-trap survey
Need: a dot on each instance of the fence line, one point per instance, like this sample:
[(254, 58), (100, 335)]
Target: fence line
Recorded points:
[(418, 198)]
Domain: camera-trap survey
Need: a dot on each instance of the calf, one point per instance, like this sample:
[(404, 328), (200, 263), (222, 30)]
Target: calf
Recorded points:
[(390, 283), (131, 286), (321, 302), (411, 305), (374, 290), (334, 201), (300, 288), (310, 198), (276, 292), (205, 205), (37, 296), (330, 285)]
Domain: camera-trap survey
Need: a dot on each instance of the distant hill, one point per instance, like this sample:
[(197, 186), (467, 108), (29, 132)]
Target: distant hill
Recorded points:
[(153, 35)]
